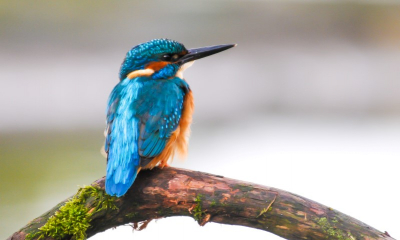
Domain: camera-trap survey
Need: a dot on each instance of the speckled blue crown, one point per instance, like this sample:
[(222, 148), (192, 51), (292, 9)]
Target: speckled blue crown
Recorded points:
[(147, 52)]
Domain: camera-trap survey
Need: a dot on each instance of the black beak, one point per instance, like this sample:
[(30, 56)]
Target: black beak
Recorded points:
[(197, 53)]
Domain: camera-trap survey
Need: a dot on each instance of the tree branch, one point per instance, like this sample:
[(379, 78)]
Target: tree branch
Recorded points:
[(211, 198)]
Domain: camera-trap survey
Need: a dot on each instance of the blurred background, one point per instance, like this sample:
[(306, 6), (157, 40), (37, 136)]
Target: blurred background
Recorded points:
[(308, 102)]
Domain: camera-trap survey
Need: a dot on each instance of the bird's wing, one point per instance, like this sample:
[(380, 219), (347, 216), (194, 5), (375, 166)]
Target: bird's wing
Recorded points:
[(160, 119), (122, 131), (141, 117)]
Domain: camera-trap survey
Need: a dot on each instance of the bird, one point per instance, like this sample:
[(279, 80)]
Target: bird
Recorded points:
[(149, 111)]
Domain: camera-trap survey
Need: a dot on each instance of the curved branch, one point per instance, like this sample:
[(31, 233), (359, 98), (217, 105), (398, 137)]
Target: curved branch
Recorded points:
[(211, 198)]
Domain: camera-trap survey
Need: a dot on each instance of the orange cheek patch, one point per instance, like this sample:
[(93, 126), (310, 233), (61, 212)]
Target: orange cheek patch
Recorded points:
[(156, 66)]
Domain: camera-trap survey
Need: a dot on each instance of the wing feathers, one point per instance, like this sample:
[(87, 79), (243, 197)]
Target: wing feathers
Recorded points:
[(142, 126), (122, 139), (162, 117)]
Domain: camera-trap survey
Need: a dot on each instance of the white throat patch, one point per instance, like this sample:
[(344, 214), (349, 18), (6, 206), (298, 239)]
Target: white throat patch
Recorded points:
[(185, 66)]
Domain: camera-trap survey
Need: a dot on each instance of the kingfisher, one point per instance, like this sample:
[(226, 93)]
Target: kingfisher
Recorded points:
[(149, 111)]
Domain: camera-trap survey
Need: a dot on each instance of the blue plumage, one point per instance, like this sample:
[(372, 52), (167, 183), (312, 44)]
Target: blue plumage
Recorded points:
[(139, 126), (121, 141), (147, 52), (146, 107)]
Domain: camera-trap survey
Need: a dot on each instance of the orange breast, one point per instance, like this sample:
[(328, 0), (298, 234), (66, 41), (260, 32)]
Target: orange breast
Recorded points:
[(179, 138)]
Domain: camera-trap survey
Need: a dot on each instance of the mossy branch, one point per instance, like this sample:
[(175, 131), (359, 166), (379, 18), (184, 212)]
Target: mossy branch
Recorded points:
[(206, 198)]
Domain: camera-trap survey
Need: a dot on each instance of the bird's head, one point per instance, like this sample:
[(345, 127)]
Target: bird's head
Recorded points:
[(163, 58)]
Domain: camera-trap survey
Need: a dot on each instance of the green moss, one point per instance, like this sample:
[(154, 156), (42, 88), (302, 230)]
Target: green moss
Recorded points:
[(213, 203), (333, 231), (73, 218), (264, 211), (197, 210)]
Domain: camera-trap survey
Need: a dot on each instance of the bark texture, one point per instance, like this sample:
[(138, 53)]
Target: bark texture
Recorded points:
[(211, 198)]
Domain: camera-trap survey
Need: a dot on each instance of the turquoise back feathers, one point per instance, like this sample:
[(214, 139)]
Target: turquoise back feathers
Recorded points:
[(149, 111), (141, 113)]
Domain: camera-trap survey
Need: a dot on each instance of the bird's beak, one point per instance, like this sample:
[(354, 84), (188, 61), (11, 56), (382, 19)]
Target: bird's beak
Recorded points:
[(197, 53)]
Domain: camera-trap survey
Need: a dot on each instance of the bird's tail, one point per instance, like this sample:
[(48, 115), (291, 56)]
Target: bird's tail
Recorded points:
[(123, 161), (120, 179)]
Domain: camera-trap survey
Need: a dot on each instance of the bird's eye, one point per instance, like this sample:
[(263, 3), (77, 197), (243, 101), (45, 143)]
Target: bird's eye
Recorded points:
[(170, 57), (166, 57)]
